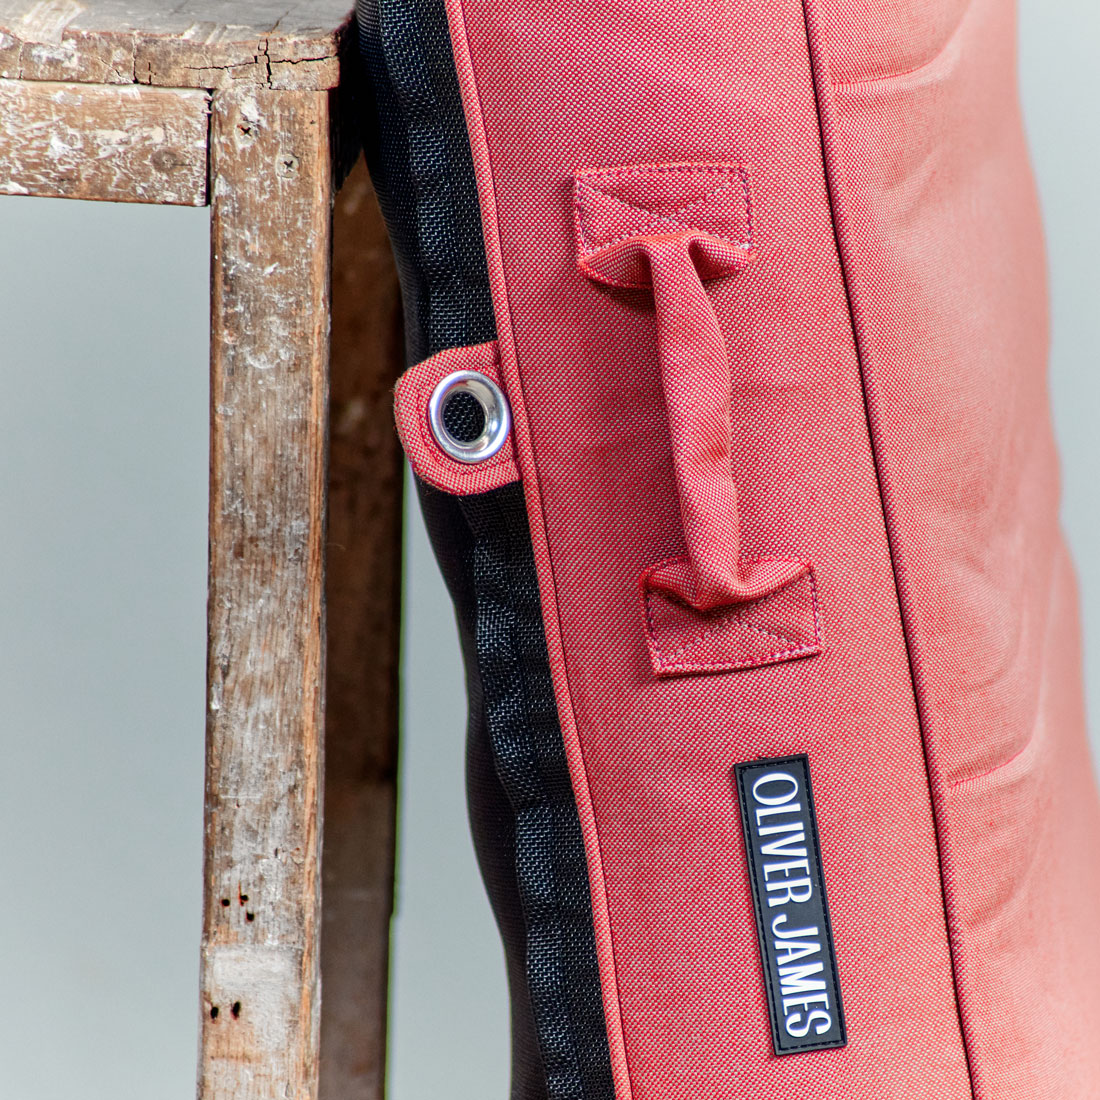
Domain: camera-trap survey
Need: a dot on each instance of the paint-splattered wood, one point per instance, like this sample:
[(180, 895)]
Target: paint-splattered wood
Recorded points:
[(270, 242), (194, 44), (95, 141), (364, 606)]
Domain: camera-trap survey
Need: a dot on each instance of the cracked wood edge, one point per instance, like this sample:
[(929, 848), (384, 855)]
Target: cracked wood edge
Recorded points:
[(363, 585), (87, 141), (124, 44), (270, 260)]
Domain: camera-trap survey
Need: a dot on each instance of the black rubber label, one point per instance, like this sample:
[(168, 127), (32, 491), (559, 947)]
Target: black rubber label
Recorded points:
[(792, 914)]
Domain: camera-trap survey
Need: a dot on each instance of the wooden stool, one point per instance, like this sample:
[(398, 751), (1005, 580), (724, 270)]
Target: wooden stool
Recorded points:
[(116, 100)]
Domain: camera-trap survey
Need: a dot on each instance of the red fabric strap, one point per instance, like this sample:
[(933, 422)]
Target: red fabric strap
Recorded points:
[(652, 243)]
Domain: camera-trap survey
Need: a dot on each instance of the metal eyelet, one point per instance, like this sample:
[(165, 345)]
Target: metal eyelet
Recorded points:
[(494, 406)]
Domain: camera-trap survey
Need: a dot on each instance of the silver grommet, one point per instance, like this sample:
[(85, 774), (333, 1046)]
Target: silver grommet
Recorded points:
[(494, 407)]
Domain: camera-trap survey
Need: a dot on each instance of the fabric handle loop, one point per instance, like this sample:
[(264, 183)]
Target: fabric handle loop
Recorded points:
[(695, 379)]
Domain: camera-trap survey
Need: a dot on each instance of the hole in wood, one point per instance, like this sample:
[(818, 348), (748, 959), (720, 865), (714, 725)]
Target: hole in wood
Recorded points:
[(286, 165), (249, 916), (235, 1010), (213, 1012)]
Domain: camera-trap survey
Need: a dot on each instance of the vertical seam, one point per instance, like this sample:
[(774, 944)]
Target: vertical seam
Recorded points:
[(483, 170), (830, 158)]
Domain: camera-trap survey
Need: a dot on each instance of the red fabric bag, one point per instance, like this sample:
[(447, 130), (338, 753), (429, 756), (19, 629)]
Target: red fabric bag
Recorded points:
[(727, 404)]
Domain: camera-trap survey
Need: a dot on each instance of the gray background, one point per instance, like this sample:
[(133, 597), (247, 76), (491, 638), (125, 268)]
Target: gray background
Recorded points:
[(102, 573)]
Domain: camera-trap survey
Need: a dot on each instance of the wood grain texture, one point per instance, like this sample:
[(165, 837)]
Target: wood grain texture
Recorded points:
[(364, 610), (270, 246), (194, 44), (95, 141)]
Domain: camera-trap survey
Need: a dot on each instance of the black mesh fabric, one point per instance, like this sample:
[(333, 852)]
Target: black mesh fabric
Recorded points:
[(491, 818), (522, 812), (463, 416), (414, 133), (552, 875)]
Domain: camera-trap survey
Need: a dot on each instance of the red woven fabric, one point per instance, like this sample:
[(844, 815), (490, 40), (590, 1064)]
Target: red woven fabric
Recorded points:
[(886, 423), (939, 230), (410, 408), (668, 227)]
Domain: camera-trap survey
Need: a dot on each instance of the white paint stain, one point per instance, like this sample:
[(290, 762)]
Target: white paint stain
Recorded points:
[(46, 20), (250, 109), (111, 137), (45, 53), (58, 149)]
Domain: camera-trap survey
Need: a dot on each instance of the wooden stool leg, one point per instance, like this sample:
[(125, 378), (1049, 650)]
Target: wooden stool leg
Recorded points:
[(364, 613), (271, 229)]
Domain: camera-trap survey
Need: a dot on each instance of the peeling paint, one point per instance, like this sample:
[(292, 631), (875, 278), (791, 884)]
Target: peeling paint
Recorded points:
[(46, 20), (267, 527), (104, 142)]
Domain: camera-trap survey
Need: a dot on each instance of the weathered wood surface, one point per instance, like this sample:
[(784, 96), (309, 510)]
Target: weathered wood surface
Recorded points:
[(364, 608), (271, 222), (193, 44), (96, 141)]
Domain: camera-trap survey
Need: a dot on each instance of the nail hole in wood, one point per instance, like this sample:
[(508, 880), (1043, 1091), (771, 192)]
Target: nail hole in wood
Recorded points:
[(213, 1012), (166, 160), (235, 1010)]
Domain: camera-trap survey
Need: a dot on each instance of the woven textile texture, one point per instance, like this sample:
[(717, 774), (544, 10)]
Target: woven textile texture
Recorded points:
[(419, 156), (522, 812), (638, 83), (861, 398), (939, 229), (429, 461)]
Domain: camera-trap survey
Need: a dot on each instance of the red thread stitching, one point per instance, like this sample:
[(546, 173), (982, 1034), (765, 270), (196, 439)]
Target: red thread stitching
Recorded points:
[(719, 628), (641, 171), (610, 992), (586, 247), (653, 215), (665, 660)]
